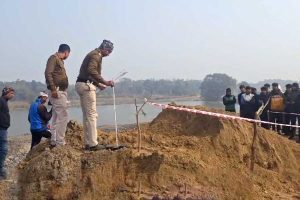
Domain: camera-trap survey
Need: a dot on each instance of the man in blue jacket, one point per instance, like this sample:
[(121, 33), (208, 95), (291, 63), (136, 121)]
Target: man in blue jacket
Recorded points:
[(7, 94), (39, 117)]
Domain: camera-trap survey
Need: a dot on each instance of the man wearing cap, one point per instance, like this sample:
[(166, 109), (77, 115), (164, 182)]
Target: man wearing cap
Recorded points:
[(88, 81), (57, 83), (7, 94), (39, 117)]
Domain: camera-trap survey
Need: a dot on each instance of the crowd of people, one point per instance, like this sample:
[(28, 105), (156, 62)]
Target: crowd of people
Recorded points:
[(275, 106), (88, 80)]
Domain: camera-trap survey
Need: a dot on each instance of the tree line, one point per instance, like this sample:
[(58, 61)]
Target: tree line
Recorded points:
[(28, 91), (211, 88), (214, 85)]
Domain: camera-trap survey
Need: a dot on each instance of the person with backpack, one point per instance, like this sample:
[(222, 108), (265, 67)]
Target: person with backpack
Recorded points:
[(39, 117), (229, 101), (277, 106)]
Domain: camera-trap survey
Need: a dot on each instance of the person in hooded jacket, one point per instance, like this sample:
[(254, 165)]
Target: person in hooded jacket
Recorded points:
[(39, 117)]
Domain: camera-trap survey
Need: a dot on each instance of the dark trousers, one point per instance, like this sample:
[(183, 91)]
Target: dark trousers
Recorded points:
[(289, 119), (3, 151), (278, 118), (37, 136), (248, 114), (264, 117)]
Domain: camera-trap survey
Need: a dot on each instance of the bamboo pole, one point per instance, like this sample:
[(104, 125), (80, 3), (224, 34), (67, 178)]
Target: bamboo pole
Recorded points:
[(252, 161), (137, 122)]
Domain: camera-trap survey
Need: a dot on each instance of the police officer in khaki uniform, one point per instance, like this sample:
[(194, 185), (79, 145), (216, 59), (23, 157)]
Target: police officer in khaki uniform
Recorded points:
[(88, 81), (57, 83)]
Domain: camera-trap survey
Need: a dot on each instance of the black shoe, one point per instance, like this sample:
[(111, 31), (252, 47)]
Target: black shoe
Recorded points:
[(97, 147), (86, 147), (115, 147)]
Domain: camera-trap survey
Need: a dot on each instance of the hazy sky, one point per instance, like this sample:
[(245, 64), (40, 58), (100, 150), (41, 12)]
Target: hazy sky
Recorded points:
[(249, 40)]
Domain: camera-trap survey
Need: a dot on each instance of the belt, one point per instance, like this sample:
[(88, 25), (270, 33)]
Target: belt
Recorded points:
[(63, 89), (81, 80)]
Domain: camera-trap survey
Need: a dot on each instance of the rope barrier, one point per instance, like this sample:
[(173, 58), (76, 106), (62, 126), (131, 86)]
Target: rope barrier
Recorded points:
[(219, 115)]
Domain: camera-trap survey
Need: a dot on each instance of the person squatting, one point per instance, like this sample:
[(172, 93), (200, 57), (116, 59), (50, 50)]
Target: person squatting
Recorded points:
[(89, 79)]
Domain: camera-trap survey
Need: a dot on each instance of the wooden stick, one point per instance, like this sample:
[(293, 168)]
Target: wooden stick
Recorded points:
[(185, 191), (138, 124), (252, 161), (139, 189), (138, 127)]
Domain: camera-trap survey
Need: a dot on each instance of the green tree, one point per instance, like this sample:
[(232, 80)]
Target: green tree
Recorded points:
[(214, 85)]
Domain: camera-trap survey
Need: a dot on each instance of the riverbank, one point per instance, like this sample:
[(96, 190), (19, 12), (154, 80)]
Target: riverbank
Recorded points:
[(108, 100)]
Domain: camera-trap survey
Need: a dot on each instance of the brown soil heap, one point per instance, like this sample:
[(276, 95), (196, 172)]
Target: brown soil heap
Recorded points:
[(184, 154)]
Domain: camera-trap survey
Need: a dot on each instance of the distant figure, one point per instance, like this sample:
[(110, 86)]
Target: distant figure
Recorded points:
[(229, 101), (243, 90), (267, 86), (57, 83), (88, 81), (257, 104), (277, 104), (289, 108), (7, 94), (39, 117), (264, 100), (248, 104), (295, 108)]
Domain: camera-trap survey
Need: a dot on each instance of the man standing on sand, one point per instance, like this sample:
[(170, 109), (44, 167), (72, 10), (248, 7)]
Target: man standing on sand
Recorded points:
[(229, 101), (243, 90), (7, 94), (57, 83), (88, 81)]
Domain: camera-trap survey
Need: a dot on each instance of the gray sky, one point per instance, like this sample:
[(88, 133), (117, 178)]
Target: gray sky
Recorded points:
[(250, 40)]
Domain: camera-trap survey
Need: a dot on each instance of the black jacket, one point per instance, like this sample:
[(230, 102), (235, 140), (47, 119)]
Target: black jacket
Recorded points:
[(4, 114)]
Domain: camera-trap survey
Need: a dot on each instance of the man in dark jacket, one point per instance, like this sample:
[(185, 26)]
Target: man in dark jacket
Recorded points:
[(248, 104), (39, 117), (243, 90), (264, 100), (229, 101), (257, 104), (7, 94), (296, 107), (88, 81), (267, 86), (289, 108)]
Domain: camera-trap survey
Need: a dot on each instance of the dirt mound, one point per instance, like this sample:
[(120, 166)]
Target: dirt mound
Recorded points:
[(184, 155)]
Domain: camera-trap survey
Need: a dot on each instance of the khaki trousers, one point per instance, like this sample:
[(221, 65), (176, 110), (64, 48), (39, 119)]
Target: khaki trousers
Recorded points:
[(87, 93), (59, 118)]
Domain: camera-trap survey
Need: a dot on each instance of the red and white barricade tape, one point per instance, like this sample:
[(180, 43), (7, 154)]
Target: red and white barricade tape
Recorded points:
[(219, 115)]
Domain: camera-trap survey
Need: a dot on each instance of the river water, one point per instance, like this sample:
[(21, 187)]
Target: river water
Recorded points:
[(125, 115)]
